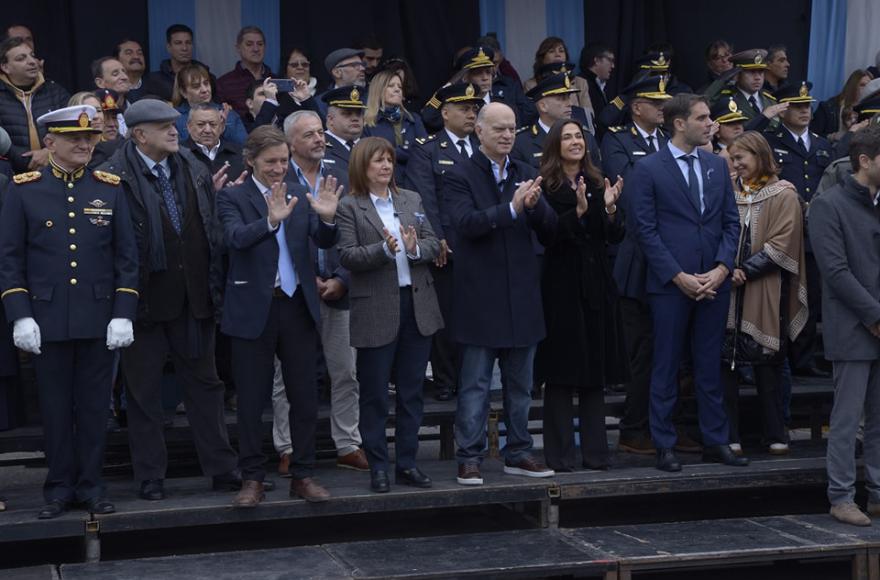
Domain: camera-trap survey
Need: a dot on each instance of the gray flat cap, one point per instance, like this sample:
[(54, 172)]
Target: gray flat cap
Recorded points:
[(149, 111), (339, 55)]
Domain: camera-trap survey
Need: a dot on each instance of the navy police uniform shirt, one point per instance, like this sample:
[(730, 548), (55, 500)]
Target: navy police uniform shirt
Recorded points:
[(802, 168), (67, 252), (623, 146)]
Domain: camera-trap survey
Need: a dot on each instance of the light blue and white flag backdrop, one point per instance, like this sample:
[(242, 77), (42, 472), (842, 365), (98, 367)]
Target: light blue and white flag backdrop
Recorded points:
[(215, 24)]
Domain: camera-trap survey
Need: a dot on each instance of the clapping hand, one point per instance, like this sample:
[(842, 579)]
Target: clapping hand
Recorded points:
[(327, 199), (410, 239), (612, 192), (527, 194), (581, 193), (390, 241), (443, 257), (279, 206), (220, 178)]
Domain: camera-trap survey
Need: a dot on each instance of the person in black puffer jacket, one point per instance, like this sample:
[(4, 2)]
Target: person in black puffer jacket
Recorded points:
[(24, 96)]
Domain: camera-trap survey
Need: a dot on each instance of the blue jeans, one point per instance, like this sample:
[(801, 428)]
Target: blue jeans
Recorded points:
[(472, 412)]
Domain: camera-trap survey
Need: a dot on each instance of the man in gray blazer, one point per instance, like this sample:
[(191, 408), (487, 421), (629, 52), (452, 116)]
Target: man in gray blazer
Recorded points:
[(845, 228)]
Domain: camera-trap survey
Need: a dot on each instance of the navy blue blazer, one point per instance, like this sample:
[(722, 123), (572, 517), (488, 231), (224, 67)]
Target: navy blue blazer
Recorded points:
[(497, 275), (253, 255), (673, 235)]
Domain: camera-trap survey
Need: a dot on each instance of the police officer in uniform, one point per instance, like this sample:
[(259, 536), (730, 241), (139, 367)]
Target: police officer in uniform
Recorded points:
[(428, 163), (802, 157), (622, 146), (345, 126), (731, 122), (476, 66), (68, 272), (552, 97)]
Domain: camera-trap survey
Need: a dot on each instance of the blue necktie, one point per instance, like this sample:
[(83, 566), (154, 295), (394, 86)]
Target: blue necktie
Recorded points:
[(168, 196), (693, 184), (286, 271)]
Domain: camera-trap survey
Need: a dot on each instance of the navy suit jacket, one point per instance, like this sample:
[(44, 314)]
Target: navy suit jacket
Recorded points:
[(253, 255), (497, 276), (673, 234)]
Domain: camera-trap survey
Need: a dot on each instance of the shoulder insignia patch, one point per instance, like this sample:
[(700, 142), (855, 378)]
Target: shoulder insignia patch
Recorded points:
[(726, 91), (534, 129), (521, 129), (420, 140), (27, 177), (616, 129), (110, 178), (769, 96)]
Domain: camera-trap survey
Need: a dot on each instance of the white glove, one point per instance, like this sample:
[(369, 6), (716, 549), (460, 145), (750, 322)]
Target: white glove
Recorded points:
[(26, 335), (120, 333)]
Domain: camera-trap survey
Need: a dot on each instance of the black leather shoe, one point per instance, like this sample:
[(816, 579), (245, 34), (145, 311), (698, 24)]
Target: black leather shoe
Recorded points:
[(444, 394), (100, 505), (667, 461), (230, 481), (379, 482), (152, 490), (413, 477), (52, 510), (723, 454), (811, 371)]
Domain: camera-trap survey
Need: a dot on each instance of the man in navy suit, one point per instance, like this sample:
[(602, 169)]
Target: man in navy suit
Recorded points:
[(688, 227), (271, 305)]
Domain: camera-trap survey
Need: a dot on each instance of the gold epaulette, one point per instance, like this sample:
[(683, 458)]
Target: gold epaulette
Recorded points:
[(27, 177), (618, 102), (616, 129), (423, 140), (726, 91), (110, 178), (521, 129), (768, 95)]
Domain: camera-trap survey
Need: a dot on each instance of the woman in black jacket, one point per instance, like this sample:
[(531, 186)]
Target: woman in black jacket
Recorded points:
[(584, 349)]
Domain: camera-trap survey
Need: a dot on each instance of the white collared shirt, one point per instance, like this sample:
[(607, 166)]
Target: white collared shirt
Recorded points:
[(500, 174), (645, 136), (805, 136), (210, 153), (683, 166), (455, 139), (543, 126), (267, 191), (385, 209), (757, 96), (340, 139), (151, 165)]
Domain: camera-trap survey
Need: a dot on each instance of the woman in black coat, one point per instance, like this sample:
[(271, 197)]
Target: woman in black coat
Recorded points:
[(584, 349)]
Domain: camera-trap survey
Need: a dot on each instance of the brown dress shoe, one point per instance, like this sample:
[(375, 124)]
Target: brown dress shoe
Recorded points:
[(639, 444), (469, 474), (356, 460), (309, 489), (250, 496), (284, 465)]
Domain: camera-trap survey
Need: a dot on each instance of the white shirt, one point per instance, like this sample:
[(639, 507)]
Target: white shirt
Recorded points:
[(645, 135), (340, 139), (500, 174), (805, 136), (541, 124), (757, 96), (683, 166), (266, 191), (210, 153), (385, 209), (151, 165), (455, 139)]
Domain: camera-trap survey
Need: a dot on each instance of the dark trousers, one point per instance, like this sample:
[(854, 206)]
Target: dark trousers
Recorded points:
[(408, 355), (681, 323), (73, 379), (803, 349), (559, 448), (142, 365), (638, 330), (291, 335), (444, 350), (768, 379)]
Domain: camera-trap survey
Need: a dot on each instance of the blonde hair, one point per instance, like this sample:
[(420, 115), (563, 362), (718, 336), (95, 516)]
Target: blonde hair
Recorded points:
[(80, 97), (376, 96)]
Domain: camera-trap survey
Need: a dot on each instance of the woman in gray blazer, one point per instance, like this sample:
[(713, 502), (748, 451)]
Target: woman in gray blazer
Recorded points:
[(386, 242)]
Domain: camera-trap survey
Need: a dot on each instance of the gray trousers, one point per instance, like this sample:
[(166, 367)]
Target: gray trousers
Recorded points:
[(856, 389), (344, 388)]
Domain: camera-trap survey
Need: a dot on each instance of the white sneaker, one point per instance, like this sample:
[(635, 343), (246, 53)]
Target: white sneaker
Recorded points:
[(736, 448), (779, 449)]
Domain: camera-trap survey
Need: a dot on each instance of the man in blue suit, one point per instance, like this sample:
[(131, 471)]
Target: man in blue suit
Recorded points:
[(271, 305), (688, 228)]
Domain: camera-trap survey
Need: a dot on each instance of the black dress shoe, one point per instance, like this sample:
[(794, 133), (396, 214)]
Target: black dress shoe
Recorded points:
[(229, 481), (379, 482), (444, 394), (723, 454), (413, 477), (52, 510), (152, 490), (667, 461), (811, 371), (100, 505)]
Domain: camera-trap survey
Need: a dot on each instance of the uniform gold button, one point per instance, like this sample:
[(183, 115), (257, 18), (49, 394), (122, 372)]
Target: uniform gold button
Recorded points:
[(72, 247), (70, 185), (71, 231), (70, 199), (73, 281), (73, 264), (71, 215)]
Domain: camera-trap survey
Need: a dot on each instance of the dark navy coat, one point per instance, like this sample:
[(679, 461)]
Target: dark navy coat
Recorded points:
[(253, 255), (411, 129), (68, 257), (803, 169), (622, 147), (672, 232), (497, 276)]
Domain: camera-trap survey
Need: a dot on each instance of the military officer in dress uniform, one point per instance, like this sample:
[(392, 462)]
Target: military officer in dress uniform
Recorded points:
[(428, 163), (802, 157), (745, 83), (345, 126), (623, 146), (68, 274), (476, 66), (731, 122), (552, 97)]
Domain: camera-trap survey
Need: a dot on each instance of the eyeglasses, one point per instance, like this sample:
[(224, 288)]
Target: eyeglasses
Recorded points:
[(299, 64), (354, 64)]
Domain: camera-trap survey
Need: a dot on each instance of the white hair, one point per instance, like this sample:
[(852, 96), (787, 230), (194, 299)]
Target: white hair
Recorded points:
[(292, 118)]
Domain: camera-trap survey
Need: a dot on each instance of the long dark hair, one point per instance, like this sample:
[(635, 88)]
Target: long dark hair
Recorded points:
[(551, 160)]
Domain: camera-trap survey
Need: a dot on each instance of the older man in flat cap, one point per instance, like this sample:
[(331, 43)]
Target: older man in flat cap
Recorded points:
[(68, 275), (346, 68), (171, 195)]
